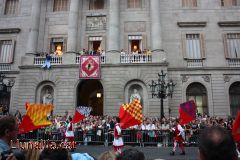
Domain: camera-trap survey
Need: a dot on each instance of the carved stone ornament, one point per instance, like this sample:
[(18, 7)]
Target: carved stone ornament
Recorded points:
[(206, 78), (226, 78), (184, 78)]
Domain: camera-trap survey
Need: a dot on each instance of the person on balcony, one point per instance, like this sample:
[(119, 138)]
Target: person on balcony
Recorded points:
[(47, 63)]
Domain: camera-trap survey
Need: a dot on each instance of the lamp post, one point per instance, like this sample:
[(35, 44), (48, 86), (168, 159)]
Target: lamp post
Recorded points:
[(5, 84), (162, 89)]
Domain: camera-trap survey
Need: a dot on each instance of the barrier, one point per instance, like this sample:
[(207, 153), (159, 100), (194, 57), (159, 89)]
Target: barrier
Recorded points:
[(142, 138)]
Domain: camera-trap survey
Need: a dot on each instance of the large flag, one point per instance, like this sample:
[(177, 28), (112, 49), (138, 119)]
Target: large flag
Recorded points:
[(130, 114), (36, 117), (236, 128), (187, 112), (81, 113)]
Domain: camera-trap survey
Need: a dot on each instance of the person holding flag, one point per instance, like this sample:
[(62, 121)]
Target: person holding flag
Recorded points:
[(118, 140), (69, 135), (178, 138)]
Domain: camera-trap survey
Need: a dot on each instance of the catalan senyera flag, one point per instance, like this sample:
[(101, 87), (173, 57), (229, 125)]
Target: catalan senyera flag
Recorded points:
[(236, 128), (131, 114), (187, 112), (36, 117)]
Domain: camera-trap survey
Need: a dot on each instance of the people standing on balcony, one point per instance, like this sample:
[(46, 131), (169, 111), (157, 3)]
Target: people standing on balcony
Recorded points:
[(122, 52), (179, 136), (47, 63)]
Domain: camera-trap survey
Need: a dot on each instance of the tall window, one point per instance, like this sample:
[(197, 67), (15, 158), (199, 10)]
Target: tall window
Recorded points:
[(193, 47), (58, 46), (96, 4), (6, 51), (197, 92), (229, 3), (135, 43), (134, 3), (11, 7), (189, 3), (234, 98), (232, 45), (60, 5)]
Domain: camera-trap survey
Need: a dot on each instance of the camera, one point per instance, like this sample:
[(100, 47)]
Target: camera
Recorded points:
[(5, 154)]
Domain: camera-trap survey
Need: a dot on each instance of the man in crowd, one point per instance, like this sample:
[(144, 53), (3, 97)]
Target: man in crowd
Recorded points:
[(8, 132), (217, 143), (130, 154)]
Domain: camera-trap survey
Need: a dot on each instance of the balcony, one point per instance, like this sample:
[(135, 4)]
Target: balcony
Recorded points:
[(194, 63), (102, 59), (233, 62), (39, 60), (5, 66), (139, 58)]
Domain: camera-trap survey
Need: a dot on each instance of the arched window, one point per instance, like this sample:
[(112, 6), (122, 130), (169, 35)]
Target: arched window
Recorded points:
[(234, 98), (198, 93)]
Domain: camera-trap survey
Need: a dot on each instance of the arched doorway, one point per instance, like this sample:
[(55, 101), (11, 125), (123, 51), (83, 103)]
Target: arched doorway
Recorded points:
[(197, 92), (90, 93), (234, 98)]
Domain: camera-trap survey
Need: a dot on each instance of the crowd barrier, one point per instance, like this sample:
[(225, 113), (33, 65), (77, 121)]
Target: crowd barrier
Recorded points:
[(143, 138)]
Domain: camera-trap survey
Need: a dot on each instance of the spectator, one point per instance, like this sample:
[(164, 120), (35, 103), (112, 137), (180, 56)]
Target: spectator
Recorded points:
[(8, 132), (108, 155), (54, 154), (131, 154), (217, 143)]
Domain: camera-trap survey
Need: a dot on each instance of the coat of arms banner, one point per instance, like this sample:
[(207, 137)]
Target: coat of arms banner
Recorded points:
[(89, 67)]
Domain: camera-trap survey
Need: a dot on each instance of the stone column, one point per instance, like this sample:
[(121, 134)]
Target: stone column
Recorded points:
[(113, 40), (156, 36), (72, 26), (32, 43)]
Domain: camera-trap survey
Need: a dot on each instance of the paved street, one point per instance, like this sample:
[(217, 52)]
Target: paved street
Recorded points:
[(150, 153)]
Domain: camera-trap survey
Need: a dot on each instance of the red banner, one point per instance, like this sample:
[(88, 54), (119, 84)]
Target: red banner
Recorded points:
[(89, 67)]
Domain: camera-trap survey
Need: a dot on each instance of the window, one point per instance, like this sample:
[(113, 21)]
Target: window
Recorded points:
[(197, 92), (228, 3), (95, 44), (134, 3), (193, 47), (96, 4), (11, 7), (232, 45), (6, 51), (60, 5), (58, 46), (135, 43), (234, 98), (189, 3)]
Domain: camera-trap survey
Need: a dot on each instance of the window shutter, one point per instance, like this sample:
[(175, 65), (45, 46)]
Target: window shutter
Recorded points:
[(225, 46), (184, 46), (202, 43), (11, 56)]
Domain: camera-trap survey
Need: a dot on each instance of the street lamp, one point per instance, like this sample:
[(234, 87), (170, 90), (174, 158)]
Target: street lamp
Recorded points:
[(162, 89), (5, 84)]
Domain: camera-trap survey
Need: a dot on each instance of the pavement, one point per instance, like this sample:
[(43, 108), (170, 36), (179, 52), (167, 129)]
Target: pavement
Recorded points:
[(151, 153)]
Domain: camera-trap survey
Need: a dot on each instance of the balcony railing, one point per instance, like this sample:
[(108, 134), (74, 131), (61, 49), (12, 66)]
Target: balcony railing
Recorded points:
[(192, 63), (233, 62), (103, 59), (139, 58), (39, 60), (5, 67)]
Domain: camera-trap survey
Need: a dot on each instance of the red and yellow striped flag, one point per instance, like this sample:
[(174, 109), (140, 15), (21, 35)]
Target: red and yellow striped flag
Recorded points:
[(36, 117), (131, 114)]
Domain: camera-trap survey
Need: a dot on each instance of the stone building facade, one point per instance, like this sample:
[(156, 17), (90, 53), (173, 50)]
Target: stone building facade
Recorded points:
[(196, 42)]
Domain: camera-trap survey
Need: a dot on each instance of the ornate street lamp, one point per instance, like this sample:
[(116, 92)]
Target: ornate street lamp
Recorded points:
[(162, 89), (5, 84)]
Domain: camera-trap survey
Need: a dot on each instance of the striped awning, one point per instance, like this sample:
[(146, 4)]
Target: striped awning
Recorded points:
[(135, 37)]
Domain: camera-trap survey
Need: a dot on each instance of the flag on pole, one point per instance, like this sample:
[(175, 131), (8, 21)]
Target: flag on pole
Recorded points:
[(187, 112), (130, 114), (36, 117), (81, 113), (236, 128)]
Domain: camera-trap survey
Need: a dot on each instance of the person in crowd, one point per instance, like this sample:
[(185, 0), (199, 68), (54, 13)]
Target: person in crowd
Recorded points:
[(178, 137), (108, 155), (118, 140), (54, 154), (217, 143), (131, 154), (8, 132)]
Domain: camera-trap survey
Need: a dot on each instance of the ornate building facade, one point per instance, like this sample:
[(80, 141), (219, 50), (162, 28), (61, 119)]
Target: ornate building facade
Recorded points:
[(196, 42)]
